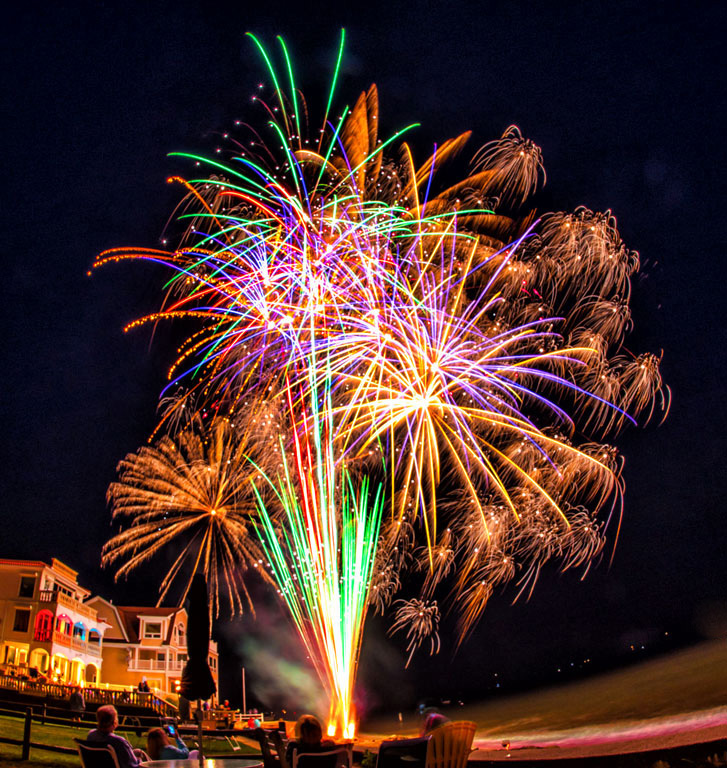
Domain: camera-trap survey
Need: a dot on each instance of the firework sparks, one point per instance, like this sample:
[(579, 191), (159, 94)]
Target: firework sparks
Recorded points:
[(191, 492), (321, 550), (420, 619), (437, 351)]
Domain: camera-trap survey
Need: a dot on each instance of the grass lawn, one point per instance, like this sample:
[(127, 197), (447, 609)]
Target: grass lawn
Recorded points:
[(62, 735)]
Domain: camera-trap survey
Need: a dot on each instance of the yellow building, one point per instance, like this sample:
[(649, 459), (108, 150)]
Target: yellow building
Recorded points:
[(146, 643), (45, 623)]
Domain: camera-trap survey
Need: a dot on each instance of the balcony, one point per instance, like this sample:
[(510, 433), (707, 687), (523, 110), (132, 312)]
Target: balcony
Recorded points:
[(93, 649), (74, 643), (61, 638), (54, 596), (81, 646), (156, 665)]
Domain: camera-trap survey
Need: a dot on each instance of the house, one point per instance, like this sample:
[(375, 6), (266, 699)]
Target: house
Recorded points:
[(146, 642), (47, 624)]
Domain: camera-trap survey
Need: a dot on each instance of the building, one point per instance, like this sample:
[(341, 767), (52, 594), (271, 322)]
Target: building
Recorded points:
[(146, 642), (46, 624)]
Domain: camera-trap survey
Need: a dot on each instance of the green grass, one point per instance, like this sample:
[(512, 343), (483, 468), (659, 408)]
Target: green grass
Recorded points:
[(11, 759), (62, 736)]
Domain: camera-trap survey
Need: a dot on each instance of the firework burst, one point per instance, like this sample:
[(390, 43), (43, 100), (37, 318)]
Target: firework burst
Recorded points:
[(443, 347), (190, 492)]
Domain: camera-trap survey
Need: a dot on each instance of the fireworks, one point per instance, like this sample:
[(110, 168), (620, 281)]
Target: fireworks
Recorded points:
[(191, 491), (321, 551), (437, 353), (420, 619)]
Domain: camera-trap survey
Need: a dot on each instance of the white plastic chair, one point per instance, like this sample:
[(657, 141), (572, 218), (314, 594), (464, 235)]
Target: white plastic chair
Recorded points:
[(331, 758)]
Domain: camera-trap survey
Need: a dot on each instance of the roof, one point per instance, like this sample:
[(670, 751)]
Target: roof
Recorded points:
[(59, 569), (107, 604), (28, 563), (129, 615)]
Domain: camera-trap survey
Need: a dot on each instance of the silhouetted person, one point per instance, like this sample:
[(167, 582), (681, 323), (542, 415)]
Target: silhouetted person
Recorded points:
[(107, 719), (77, 705), (308, 738), (431, 721)]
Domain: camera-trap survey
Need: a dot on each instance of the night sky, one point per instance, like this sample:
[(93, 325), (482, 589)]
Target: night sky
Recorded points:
[(626, 100)]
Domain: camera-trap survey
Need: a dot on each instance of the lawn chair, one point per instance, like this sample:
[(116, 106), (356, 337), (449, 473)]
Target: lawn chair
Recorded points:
[(272, 747), (403, 753), (450, 745), (96, 755), (331, 758)]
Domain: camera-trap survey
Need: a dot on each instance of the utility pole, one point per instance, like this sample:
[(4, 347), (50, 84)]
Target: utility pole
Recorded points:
[(244, 695)]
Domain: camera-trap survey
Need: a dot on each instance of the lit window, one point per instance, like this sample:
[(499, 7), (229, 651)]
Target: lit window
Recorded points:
[(43, 626), (153, 630), (22, 620), (27, 586)]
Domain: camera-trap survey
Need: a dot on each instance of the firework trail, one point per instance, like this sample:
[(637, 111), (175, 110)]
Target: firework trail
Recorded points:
[(321, 551), (440, 353)]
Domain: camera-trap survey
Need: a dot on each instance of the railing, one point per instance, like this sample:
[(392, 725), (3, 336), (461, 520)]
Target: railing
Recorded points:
[(91, 694), (28, 685), (54, 596), (79, 645), (158, 665), (93, 649), (76, 643), (61, 637)]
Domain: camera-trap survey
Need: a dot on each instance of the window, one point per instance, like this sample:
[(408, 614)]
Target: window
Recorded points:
[(43, 626), (27, 586), (22, 620), (153, 629)]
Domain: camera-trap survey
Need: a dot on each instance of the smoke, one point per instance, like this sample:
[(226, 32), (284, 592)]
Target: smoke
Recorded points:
[(277, 671), (383, 683)]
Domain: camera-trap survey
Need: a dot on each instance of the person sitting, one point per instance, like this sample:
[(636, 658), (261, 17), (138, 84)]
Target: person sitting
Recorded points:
[(143, 686), (160, 747), (308, 738), (412, 752), (107, 719), (433, 720)]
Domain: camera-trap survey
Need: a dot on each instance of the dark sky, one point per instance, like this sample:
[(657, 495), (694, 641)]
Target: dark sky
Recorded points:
[(627, 102)]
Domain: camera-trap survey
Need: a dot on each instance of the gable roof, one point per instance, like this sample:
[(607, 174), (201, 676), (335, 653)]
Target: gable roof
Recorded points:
[(128, 618), (130, 614), (103, 608)]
